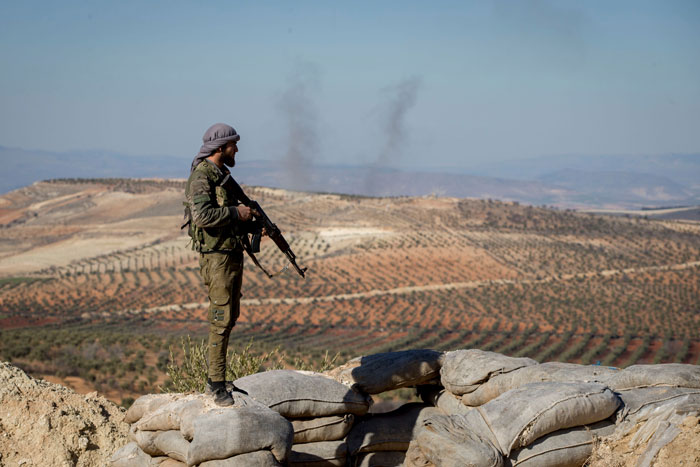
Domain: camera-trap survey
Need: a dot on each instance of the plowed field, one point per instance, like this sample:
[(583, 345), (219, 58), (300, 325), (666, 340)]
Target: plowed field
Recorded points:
[(384, 274)]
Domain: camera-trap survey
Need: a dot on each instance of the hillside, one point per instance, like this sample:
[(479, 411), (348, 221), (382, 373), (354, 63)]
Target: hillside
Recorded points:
[(98, 283), (567, 181)]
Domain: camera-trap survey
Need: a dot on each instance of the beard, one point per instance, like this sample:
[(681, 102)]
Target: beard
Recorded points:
[(230, 161)]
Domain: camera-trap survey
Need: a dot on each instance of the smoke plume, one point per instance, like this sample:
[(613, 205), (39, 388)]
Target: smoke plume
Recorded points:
[(399, 99), (301, 117)]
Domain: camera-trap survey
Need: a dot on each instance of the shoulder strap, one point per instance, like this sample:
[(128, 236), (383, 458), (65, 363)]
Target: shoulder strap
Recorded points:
[(230, 184), (188, 215), (249, 250)]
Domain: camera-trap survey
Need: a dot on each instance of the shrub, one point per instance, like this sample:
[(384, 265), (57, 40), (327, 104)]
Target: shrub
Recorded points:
[(326, 363), (191, 376)]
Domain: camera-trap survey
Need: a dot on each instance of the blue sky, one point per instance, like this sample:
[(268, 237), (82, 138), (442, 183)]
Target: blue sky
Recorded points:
[(402, 84)]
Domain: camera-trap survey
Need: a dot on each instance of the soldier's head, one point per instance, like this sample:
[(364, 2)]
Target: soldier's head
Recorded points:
[(221, 139)]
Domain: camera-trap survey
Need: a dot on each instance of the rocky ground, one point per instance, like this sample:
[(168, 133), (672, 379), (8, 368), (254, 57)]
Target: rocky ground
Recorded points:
[(45, 424)]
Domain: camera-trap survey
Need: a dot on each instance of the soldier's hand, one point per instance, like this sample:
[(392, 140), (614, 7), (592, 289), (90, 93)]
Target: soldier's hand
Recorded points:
[(245, 213)]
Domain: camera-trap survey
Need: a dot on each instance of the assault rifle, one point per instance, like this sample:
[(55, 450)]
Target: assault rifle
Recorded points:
[(261, 222)]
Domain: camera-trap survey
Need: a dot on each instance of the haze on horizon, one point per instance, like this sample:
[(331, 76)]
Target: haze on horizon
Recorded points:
[(397, 84)]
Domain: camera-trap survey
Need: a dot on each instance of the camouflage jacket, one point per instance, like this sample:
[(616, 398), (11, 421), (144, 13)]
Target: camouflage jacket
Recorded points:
[(214, 219)]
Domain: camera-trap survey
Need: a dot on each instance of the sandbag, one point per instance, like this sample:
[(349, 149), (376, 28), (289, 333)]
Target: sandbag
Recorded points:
[(228, 432), (161, 443), (663, 374), (450, 404), (179, 414), (448, 441), (634, 401), (332, 428), (190, 412), (391, 431), (464, 370), (132, 456), (563, 448), (571, 372), (147, 403), (145, 440), (381, 459), (168, 462), (551, 371), (443, 399), (300, 394), (415, 457), (323, 453), (522, 415), (173, 444), (168, 416), (249, 459), (383, 372)]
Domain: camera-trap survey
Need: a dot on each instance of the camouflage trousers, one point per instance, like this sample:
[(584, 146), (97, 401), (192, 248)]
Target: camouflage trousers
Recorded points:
[(222, 274)]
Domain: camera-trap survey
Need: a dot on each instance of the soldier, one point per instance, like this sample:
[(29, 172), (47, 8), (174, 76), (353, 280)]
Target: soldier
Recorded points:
[(218, 226)]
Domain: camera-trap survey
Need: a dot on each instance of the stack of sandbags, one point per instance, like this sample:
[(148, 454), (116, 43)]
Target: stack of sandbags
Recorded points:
[(450, 440), (492, 397), (381, 440), (473, 377), (185, 430), (480, 408), (552, 371), (320, 409), (513, 421), (568, 447)]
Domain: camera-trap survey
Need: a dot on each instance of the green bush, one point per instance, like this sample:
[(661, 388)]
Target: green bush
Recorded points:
[(326, 363), (191, 375)]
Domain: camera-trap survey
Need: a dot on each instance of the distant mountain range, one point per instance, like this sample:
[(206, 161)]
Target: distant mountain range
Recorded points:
[(564, 181)]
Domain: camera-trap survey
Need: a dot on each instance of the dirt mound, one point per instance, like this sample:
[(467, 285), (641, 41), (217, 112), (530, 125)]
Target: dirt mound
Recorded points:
[(624, 452), (45, 424)]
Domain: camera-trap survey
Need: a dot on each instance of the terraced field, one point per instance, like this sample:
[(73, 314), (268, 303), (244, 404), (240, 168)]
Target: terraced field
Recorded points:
[(384, 274)]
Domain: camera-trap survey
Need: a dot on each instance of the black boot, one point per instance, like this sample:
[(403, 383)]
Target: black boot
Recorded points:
[(230, 387), (221, 396)]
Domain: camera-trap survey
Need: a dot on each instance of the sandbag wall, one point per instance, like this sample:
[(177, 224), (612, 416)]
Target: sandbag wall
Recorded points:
[(501, 410), (172, 430), (479, 408)]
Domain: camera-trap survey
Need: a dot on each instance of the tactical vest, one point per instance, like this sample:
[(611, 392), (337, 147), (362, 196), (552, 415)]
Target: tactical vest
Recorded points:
[(228, 237)]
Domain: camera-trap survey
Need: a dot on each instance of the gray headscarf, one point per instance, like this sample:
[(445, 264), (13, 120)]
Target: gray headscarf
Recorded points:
[(216, 136)]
